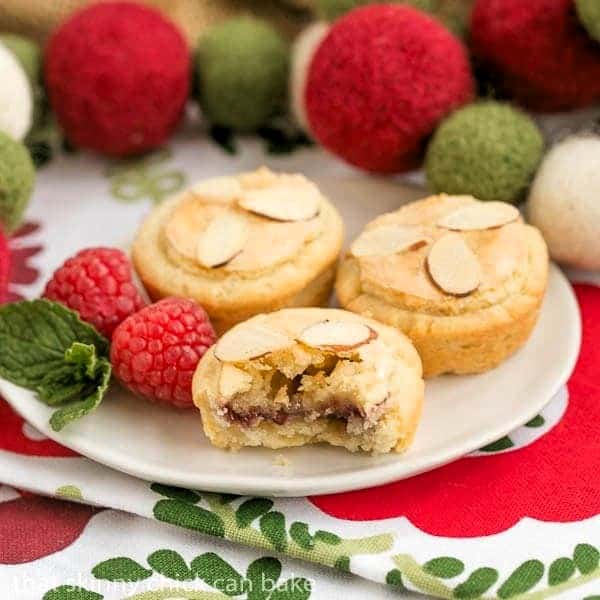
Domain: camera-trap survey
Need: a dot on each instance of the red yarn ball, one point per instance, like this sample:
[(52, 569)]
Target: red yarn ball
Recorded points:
[(542, 54), (118, 77), (379, 83)]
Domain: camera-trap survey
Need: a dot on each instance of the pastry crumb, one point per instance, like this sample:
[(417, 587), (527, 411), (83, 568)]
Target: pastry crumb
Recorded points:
[(281, 461)]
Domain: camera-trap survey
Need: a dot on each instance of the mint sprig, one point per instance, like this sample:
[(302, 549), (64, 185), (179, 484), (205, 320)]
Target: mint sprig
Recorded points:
[(45, 347)]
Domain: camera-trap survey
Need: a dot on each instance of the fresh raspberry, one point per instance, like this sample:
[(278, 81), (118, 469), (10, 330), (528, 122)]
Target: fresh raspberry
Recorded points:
[(97, 283), (155, 352), (4, 267)]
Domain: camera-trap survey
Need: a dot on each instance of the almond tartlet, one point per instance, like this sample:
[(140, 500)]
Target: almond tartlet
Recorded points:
[(306, 375), (463, 279), (242, 245)]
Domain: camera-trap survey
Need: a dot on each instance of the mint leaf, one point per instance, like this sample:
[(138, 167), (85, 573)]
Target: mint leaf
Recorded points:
[(83, 357), (77, 377), (34, 336), (60, 386), (45, 347), (76, 410)]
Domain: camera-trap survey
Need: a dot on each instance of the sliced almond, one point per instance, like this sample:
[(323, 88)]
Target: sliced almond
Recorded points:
[(233, 381), (218, 189), (248, 341), (222, 240), (262, 177), (453, 266), (479, 215), (283, 202), (271, 243), (391, 239), (337, 335)]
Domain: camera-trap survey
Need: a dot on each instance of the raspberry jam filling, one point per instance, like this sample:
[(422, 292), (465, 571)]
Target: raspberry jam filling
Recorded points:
[(327, 390), (339, 409)]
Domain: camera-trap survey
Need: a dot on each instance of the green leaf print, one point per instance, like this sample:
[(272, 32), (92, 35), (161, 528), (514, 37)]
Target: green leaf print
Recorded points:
[(301, 535), (262, 575), (342, 563), (522, 579), (394, 579), (69, 592), (479, 582), (71, 492), (502, 444), (219, 574), (444, 567), (224, 517), (251, 509), (537, 421), (586, 558), (561, 570), (189, 516), (176, 493), (136, 179), (327, 537), (170, 564), (120, 568), (413, 572), (272, 526)]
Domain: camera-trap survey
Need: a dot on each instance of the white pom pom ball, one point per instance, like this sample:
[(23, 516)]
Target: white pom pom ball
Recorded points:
[(16, 98), (564, 202), (303, 50)]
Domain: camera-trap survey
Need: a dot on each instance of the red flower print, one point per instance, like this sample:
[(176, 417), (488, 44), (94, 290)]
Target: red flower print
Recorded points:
[(32, 527), (19, 437), (20, 271), (553, 479)]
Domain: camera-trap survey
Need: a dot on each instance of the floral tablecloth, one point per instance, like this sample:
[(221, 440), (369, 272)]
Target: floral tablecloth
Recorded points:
[(518, 519)]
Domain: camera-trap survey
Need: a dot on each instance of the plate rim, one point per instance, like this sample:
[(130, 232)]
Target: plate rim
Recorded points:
[(297, 486)]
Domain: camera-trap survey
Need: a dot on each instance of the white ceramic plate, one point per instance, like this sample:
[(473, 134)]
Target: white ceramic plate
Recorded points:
[(461, 414)]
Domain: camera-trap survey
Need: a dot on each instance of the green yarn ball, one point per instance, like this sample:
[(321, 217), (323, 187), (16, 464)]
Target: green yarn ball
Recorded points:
[(489, 150), (588, 12), (17, 176), (242, 72)]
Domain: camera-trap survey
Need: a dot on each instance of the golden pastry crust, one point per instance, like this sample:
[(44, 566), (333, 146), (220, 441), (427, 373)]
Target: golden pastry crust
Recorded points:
[(453, 334), (281, 264), (381, 380)]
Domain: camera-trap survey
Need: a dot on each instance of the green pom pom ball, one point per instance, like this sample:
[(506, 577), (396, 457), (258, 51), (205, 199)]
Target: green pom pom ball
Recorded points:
[(242, 72), (17, 175), (489, 150), (588, 12)]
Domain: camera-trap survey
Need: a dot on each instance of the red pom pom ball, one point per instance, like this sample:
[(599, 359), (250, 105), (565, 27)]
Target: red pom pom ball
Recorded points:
[(379, 83), (118, 78), (539, 50)]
